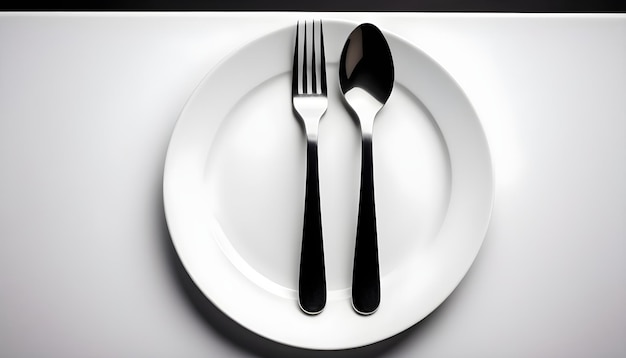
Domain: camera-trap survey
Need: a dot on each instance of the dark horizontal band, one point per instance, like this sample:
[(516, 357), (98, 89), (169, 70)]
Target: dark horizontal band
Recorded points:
[(550, 6)]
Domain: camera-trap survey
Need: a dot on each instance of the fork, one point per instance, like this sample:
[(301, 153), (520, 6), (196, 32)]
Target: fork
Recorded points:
[(309, 104)]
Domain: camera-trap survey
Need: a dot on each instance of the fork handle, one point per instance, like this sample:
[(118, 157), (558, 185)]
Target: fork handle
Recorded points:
[(366, 275), (312, 283)]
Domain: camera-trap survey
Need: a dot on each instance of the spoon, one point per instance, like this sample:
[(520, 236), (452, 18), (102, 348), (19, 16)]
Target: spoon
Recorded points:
[(366, 78)]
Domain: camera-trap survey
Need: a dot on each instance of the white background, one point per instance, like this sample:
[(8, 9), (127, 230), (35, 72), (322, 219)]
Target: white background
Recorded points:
[(88, 102)]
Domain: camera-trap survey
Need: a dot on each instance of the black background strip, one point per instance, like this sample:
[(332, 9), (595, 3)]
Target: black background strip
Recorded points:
[(532, 6)]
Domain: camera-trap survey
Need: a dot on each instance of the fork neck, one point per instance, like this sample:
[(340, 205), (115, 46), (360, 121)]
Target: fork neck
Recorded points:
[(311, 132)]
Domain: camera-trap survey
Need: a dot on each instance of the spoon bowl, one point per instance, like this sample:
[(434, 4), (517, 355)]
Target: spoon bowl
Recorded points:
[(366, 73)]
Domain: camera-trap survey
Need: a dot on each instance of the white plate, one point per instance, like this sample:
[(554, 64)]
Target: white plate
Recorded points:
[(234, 193)]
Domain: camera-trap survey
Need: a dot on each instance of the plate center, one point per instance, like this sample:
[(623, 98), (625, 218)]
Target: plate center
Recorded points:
[(255, 175)]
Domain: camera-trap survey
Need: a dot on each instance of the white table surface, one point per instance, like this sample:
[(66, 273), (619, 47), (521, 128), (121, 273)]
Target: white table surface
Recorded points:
[(88, 102)]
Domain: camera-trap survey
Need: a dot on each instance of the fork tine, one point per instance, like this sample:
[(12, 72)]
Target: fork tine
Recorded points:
[(322, 61), (314, 60), (295, 79), (305, 58)]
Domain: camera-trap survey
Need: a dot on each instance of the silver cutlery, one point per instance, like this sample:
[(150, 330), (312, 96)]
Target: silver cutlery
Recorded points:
[(366, 77), (309, 103)]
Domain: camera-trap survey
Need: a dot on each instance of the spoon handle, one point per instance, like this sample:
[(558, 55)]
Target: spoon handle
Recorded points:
[(312, 283), (366, 276)]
